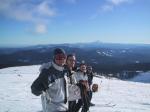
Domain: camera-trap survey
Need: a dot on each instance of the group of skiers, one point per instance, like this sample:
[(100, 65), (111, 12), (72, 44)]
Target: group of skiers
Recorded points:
[(63, 87)]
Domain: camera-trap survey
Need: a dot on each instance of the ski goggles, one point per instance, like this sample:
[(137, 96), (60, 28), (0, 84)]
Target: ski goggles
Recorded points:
[(60, 56)]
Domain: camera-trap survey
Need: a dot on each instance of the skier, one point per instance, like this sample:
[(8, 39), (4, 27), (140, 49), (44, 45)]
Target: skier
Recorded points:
[(82, 81), (52, 84)]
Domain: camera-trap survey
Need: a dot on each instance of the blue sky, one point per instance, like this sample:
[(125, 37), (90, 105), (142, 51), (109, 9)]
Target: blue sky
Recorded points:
[(31, 22)]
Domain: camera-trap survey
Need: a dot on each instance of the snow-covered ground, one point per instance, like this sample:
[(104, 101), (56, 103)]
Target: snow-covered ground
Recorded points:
[(113, 96)]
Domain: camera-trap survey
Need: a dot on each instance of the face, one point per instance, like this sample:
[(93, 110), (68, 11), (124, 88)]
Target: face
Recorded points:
[(89, 70), (71, 61), (83, 68), (60, 59)]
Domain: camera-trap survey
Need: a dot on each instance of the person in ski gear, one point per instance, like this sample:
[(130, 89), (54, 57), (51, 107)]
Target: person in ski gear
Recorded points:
[(90, 82), (52, 84), (82, 80), (70, 65)]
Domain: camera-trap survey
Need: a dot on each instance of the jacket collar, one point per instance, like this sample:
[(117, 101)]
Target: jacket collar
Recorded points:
[(59, 68)]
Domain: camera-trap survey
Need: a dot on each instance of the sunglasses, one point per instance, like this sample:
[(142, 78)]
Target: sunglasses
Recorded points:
[(60, 57)]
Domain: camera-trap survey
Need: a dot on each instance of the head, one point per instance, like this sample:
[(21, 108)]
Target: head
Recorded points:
[(59, 56), (89, 69), (71, 60), (83, 67)]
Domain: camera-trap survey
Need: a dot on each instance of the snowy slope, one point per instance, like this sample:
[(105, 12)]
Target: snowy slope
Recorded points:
[(113, 96)]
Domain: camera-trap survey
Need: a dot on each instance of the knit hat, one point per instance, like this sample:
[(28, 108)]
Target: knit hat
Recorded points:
[(59, 51)]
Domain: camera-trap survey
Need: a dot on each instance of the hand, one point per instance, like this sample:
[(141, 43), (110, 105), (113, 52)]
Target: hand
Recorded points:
[(95, 87)]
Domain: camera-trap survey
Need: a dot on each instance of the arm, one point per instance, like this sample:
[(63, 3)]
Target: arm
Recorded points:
[(39, 84)]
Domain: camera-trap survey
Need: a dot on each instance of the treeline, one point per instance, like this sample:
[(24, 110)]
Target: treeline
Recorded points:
[(106, 68), (110, 68)]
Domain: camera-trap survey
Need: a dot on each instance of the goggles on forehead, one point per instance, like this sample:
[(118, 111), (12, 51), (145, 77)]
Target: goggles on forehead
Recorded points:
[(60, 57)]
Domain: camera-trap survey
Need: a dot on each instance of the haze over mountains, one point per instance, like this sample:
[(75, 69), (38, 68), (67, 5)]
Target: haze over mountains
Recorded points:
[(104, 57)]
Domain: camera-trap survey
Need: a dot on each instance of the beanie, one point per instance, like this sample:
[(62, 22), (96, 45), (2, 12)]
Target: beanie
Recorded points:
[(59, 51)]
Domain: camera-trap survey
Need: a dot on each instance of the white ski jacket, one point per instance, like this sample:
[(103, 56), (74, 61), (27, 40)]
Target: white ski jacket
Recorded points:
[(56, 88)]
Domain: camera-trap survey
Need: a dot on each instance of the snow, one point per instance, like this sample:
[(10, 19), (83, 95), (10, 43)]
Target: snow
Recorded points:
[(137, 61), (113, 96), (126, 96), (123, 51), (107, 53)]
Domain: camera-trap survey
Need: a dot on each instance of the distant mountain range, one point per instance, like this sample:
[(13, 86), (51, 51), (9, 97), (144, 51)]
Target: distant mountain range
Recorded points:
[(106, 57)]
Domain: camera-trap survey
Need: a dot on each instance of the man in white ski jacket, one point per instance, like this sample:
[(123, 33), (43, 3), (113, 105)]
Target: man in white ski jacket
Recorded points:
[(74, 90), (52, 84)]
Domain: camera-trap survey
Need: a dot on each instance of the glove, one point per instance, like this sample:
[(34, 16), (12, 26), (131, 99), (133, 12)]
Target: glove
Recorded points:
[(95, 87)]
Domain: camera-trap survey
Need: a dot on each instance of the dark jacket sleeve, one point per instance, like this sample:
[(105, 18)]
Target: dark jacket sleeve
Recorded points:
[(40, 84), (90, 78)]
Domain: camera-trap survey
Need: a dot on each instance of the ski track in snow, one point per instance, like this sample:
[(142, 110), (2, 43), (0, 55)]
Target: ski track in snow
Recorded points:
[(113, 96)]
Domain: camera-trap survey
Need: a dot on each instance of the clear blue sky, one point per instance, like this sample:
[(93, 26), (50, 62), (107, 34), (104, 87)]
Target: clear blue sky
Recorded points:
[(31, 22)]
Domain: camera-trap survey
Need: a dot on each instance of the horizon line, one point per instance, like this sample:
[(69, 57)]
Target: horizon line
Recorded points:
[(100, 42)]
